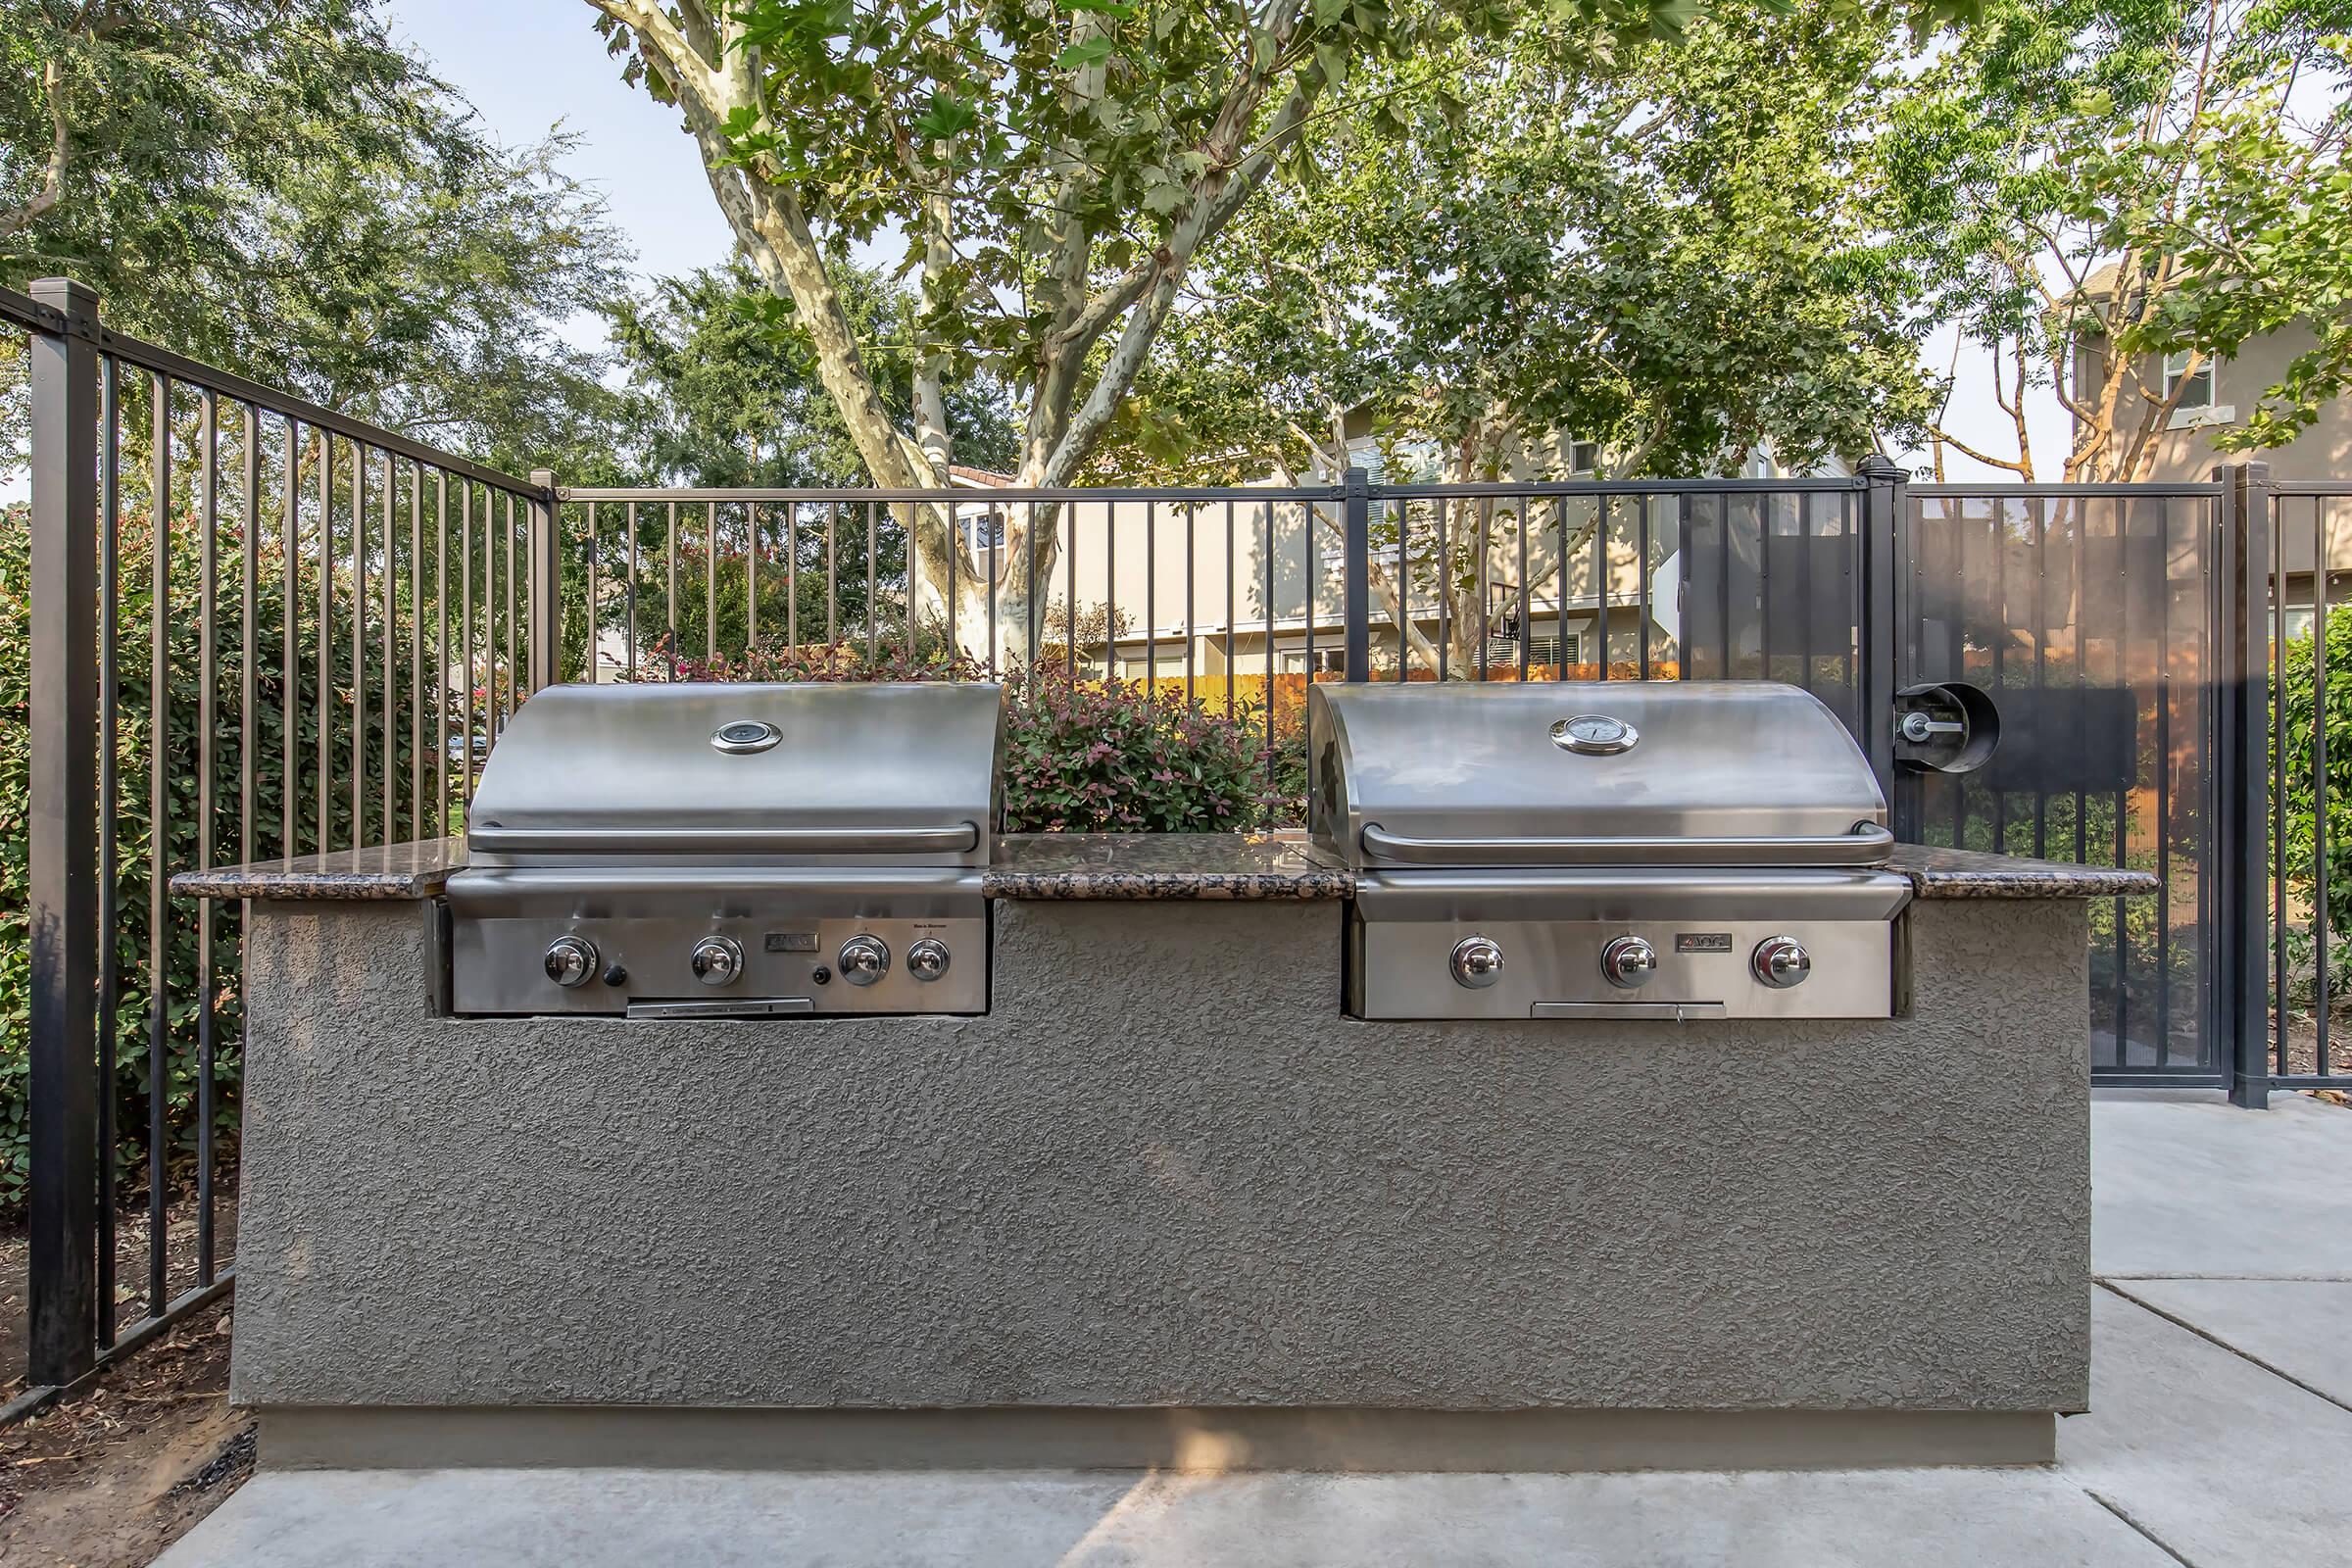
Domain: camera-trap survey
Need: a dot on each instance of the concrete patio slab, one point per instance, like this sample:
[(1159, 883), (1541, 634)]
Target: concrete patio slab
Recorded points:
[(2204, 1188), (528, 1518), (2296, 1328), (2227, 1464)]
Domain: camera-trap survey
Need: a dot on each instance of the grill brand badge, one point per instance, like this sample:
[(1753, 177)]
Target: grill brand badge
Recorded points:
[(1703, 942), (1594, 735)]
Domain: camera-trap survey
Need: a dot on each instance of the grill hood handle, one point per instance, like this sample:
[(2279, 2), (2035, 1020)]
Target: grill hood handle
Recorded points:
[(489, 838), (1867, 845)]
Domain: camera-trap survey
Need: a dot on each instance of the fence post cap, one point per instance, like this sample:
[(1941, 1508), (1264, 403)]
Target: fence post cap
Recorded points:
[(1878, 465), (75, 299)]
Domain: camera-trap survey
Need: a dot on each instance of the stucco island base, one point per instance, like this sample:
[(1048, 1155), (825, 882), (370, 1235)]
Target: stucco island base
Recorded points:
[(1163, 1205)]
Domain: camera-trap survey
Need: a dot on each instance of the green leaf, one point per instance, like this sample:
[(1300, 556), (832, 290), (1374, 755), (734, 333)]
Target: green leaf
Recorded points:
[(1084, 53)]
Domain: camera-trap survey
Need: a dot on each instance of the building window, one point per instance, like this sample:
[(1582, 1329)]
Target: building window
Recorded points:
[(1542, 651), (1583, 456), (1328, 660), (985, 534), (2196, 391)]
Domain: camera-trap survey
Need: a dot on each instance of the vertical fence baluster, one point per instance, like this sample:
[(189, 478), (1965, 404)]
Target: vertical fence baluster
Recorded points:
[(1444, 589), (208, 501), (465, 671), (2274, 522), (594, 608), (110, 791), (669, 591), (325, 635), (390, 671), (1191, 622), (359, 645), (1312, 515), (514, 701), (159, 835), (1266, 511), (290, 597), (441, 822), (2319, 776), (629, 598), (1233, 612), (248, 733), (873, 603), (415, 651)]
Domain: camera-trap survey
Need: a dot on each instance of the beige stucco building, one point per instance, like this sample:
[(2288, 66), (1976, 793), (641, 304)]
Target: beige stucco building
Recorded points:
[(2219, 398)]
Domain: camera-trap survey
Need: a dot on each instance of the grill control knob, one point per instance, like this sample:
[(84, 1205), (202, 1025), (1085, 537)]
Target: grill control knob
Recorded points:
[(1477, 962), (864, 961), (570, 960), (1629, 962), (718, 961), (1781, 962), (927, 959)]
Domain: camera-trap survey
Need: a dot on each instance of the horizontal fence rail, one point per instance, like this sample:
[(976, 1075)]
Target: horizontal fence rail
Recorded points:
[(256, 627)]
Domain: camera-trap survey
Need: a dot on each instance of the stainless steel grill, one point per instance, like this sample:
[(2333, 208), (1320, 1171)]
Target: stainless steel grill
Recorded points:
[(1621, 850), (731, 851)]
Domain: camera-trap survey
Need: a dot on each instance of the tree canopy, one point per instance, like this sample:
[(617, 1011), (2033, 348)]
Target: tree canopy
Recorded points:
[(1658, 263), (275, 187), (2082, 183)]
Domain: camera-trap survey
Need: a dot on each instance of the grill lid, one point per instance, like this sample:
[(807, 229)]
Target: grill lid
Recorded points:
[(1716, 774), (883, 773)]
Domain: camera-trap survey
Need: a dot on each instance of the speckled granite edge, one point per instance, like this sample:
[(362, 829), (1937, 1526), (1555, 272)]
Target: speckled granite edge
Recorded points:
[(387, 875), (1124, 866), (1939, 873), (1312, 885), (1163, 867)]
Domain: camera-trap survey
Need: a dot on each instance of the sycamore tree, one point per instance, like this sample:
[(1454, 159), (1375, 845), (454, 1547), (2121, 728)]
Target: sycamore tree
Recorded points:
[(2089, 186), (1632, 263), (1054, 170)]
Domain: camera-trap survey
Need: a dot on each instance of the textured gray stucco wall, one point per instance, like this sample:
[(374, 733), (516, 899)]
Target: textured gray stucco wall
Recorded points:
[(1165, 1171)]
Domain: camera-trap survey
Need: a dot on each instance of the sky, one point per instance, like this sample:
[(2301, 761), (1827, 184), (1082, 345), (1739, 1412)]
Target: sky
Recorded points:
[(530, 66)]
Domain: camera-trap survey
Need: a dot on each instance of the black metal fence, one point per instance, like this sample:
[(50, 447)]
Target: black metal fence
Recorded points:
[(256, 627)]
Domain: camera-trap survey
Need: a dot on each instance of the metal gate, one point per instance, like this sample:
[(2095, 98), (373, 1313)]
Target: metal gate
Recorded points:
[(2096, 617)]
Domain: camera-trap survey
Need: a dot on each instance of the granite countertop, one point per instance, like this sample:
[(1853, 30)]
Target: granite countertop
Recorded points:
[(394, 871), (1164, 866), (1936, 873), (1125, 865)]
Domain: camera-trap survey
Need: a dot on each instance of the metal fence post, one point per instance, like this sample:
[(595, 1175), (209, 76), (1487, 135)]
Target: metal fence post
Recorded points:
[(1886, 494), (546, 582), (1358, 595), (62, 1260), (2245, 741)]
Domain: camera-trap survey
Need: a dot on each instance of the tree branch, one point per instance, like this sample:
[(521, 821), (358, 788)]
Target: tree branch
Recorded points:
[(53, 177)]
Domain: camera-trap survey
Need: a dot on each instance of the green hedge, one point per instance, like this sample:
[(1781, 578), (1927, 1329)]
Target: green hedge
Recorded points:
[(132, 835)]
